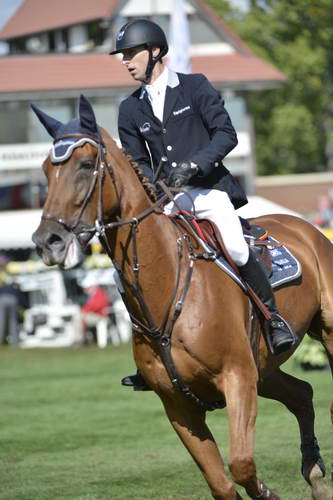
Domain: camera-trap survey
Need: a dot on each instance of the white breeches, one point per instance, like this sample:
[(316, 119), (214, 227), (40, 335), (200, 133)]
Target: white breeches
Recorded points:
[(216, 206)]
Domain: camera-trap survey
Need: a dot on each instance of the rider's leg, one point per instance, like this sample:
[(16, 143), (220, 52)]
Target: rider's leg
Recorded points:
[(216, 206)]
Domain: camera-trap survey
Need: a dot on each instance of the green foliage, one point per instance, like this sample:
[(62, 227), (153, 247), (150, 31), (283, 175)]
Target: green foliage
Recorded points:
[(310, 352), (70, 431), (294, 124)]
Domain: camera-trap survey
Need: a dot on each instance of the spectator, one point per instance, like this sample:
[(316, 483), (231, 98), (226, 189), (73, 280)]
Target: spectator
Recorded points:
[(12, 300), (95, 308)]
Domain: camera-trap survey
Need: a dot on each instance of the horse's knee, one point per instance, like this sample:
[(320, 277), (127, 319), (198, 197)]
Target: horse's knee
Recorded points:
[(243, 469)]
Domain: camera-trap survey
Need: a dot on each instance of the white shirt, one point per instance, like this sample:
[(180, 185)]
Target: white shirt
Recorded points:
[(156, 93)]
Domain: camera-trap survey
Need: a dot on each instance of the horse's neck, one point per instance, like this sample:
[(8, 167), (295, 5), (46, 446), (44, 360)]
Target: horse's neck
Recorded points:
[(153, 243)]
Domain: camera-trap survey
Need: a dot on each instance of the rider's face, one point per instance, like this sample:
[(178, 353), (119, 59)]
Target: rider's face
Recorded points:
[(136, 60)]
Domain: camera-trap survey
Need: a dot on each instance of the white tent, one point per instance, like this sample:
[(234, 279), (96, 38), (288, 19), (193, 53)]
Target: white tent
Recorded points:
[(258, 206), (17, 227)]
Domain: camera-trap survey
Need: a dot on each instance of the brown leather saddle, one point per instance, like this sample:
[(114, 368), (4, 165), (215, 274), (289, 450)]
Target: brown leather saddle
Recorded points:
[(256, 237)]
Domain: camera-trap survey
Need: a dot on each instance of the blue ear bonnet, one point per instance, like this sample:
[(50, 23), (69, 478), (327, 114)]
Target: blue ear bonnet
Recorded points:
[(86, 125), (62, 149)]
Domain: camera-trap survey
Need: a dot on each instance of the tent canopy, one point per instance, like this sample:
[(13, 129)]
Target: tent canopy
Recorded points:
[(17, 226)]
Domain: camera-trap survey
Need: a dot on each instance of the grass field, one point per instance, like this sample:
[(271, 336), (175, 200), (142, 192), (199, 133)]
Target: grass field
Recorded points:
[(68, 430)]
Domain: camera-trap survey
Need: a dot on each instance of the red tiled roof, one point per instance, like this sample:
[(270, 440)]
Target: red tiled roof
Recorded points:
[(233, 68), (96, 71), (34, 16)]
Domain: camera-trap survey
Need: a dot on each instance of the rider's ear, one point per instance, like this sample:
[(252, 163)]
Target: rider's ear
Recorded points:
[(87, 115), (51, 124)]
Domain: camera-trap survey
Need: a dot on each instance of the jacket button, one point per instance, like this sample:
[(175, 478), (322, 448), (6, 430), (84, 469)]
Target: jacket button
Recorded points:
[(169, 148), (174, 164), (164, 130)]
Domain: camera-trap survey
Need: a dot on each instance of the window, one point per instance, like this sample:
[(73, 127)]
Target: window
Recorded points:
[(106, 111), (13, 122), (61, 110), (201, 32), (95, 33), (17, 46), (18, 123), (237, 110)]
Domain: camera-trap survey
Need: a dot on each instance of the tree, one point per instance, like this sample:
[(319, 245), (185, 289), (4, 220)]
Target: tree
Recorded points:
[(294, 124)]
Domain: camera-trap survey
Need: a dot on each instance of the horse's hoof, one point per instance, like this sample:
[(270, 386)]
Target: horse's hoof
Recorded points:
[(313, 470), (266, 493)]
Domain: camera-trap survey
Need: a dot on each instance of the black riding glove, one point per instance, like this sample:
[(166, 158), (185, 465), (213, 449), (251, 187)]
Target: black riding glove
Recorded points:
[(181, 174)]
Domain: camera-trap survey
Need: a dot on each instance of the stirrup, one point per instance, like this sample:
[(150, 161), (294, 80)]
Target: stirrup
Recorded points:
[(137, 382), (288, 340)]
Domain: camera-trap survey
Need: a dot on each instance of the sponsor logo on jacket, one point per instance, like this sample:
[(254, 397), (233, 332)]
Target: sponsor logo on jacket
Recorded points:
[(145, 128), (181, 110)]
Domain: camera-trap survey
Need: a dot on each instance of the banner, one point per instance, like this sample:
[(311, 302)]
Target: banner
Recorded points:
[(179, 39)]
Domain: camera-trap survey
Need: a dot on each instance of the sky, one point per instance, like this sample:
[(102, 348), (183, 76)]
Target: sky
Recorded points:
[(7, 8)]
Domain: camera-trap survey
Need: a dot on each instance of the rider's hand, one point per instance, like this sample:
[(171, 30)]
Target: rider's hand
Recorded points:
[(181, 174)]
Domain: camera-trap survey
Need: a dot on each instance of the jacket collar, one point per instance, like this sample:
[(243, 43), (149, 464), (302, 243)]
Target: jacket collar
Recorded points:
[(171, 95), (173, 81)]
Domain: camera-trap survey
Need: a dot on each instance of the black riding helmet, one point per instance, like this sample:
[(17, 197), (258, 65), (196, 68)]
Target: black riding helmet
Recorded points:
[(146, 33)]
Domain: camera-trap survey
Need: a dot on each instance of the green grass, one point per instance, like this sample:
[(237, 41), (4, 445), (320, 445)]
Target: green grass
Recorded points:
[(68, 430)]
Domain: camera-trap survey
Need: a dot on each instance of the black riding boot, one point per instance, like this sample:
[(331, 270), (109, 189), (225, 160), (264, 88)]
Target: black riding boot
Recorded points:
[(281, 335), (136, 381)]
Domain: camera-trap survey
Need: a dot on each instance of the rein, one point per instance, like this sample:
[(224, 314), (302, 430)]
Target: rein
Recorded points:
[(161, 333)]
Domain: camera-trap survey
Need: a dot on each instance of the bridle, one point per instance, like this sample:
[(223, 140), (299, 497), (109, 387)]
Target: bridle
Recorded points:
[(97, 177), (160, 333)]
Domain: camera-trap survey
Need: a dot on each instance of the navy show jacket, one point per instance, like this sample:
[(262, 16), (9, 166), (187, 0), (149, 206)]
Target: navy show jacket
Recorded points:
[(196, 127)]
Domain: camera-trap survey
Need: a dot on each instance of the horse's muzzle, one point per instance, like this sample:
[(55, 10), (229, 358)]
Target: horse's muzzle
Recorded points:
[(57, 246)]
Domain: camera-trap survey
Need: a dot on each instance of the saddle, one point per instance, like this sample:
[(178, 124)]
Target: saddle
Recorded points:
[(256, 236), (279, 264)]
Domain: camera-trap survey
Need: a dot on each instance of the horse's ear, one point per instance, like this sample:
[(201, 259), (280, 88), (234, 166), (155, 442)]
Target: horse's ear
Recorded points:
[(51, 124), (87, 115)]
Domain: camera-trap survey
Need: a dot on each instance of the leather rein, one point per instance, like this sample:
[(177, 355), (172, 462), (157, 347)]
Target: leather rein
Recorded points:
[(161, 333)]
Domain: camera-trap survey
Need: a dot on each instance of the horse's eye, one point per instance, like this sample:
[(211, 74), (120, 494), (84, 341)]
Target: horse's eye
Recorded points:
[(87, 165)]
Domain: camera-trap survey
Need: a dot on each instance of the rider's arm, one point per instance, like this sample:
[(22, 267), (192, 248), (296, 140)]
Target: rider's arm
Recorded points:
[(132, 141), (216, 119)]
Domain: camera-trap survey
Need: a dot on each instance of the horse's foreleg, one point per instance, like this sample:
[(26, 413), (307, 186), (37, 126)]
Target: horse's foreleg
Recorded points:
[(240, 390), (189, 422), (296, 395)]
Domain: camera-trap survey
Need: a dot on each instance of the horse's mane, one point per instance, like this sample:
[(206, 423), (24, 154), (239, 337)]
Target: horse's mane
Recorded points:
[(148, 187), (146, 184)]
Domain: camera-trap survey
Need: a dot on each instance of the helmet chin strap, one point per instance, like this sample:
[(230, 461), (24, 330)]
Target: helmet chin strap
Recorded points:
[(150, 66)]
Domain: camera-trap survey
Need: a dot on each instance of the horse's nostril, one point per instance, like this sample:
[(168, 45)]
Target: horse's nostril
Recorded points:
[(54, 240)]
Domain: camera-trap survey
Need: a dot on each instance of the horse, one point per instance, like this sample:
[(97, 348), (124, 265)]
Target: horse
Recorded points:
[(190, 320)]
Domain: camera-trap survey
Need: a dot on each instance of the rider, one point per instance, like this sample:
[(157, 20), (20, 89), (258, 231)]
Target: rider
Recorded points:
[(182, 117)]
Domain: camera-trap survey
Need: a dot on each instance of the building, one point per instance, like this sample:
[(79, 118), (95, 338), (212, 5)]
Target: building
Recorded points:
[(57, 50)]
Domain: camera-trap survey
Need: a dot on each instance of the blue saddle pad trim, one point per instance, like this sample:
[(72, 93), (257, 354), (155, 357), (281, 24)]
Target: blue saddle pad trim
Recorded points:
[(285, 267)]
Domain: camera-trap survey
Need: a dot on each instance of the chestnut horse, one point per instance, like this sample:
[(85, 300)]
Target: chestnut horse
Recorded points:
[(97, 188)]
